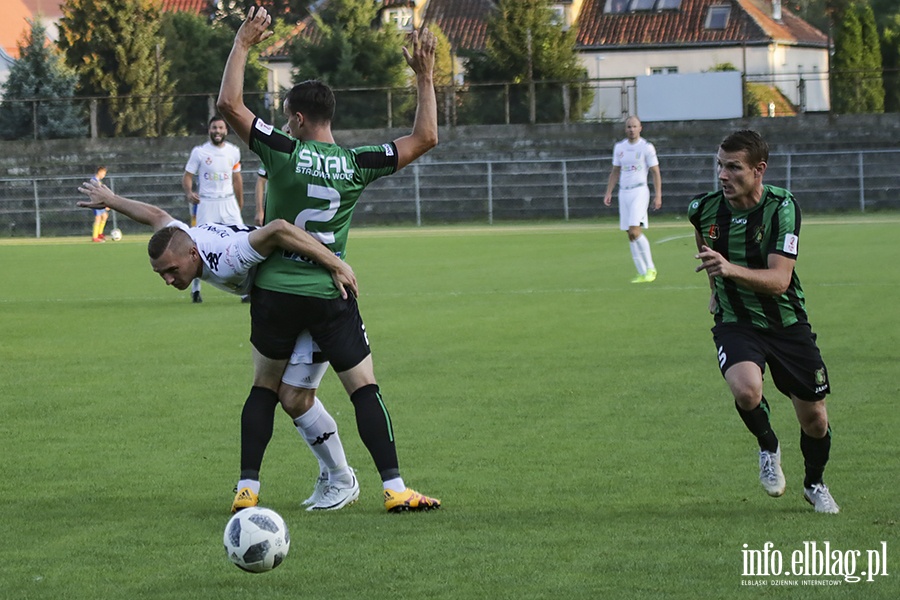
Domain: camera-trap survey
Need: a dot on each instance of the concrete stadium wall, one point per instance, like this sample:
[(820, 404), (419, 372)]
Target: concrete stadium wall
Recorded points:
[(478, 174), (807, 133)]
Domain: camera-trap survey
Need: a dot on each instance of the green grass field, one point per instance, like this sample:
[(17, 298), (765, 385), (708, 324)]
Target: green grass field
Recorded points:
[(575, 425)]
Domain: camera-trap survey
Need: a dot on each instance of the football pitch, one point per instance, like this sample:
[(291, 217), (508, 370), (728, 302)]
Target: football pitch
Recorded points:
[(574, 425)]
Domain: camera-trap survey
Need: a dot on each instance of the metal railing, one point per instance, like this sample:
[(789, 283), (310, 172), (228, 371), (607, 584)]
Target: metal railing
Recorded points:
[(482, 191)]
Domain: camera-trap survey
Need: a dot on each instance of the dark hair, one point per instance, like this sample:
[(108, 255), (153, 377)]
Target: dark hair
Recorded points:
[(313, 99), (215, 118), (749, 140), (162, 239)]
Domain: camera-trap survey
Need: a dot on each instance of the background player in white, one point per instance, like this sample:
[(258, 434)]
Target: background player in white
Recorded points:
[(633, 157), (220, 188), (226, 257)]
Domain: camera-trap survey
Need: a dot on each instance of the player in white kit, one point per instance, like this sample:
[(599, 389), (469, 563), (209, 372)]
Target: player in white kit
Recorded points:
[(633, 158), (226, 256), (220, 188)]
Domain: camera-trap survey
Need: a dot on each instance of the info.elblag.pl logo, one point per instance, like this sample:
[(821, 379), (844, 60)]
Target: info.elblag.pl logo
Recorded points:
[(813, 563)]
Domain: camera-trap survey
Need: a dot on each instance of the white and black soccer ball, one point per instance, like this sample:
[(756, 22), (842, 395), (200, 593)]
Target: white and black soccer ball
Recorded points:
[(257, 539), (116, 234)]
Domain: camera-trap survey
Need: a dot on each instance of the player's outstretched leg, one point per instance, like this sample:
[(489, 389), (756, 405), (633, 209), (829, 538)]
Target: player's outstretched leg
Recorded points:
[(257, 424)]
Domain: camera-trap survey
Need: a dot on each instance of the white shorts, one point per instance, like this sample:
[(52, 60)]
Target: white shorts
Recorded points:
[(219, 210), (633, 205), (301, 371)]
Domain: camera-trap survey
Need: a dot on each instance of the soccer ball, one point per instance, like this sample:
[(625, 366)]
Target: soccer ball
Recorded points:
[(256, 539), (116, 234)]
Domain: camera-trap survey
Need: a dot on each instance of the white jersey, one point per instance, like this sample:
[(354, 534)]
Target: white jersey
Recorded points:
[(229, 260), (634, 160), (214, 167), (229, 263)]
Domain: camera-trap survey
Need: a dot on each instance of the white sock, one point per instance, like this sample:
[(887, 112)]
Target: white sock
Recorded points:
[(253, 484), (644, 248), (319, 429), (395, 484), (638, 257), (195, 285)]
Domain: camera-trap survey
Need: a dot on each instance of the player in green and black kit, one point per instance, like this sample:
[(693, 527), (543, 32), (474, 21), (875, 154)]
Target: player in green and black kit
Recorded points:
[(747, 236), (314, 183)]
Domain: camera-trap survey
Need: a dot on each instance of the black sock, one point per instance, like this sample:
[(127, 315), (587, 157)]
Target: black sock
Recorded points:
[(757, 421), (257, 422), (375, 430), (815, 456)]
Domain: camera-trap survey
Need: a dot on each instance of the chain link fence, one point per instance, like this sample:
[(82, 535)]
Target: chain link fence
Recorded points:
[(483, 191)]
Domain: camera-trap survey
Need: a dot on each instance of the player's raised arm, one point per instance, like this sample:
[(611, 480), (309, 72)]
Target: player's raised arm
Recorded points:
[(424, 135), (103, 197), (253, 30)]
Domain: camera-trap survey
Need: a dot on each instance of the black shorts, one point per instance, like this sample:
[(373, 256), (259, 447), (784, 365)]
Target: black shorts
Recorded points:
[(792, 355), (276, 319)]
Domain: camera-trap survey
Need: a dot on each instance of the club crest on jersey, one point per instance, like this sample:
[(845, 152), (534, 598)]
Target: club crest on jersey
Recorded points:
[(713, 232), (759, 233)]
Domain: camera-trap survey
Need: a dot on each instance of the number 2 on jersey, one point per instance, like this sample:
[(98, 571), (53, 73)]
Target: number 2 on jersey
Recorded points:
[(320, 192)]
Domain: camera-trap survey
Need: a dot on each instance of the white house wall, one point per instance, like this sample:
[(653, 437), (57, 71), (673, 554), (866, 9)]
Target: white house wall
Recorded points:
[(776, 64)]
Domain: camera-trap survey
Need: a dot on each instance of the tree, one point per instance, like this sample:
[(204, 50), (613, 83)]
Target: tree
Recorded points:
[(196, 51), (525, 45), (39, 74), (115, 48), (872, 85), (890, 55), (232, 12), (846, 65), (348, 50)]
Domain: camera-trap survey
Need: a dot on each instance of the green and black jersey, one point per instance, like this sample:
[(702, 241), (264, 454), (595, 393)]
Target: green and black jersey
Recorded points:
[(746, 238), (315, 186)]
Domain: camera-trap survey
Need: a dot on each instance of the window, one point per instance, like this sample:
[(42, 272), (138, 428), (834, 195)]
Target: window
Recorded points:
[(613, 7), (717, 16), (559, 14), (663, 70), (402, 18), (642, 5)]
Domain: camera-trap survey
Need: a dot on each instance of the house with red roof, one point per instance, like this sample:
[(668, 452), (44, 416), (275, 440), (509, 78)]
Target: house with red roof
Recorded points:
[(620, 40), (17, 13), (770, 45)]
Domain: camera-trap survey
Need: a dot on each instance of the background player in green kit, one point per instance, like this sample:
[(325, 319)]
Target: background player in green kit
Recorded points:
[(314, 183), (748, 237)]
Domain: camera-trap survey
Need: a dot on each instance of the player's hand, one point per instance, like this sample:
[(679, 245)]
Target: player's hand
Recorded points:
[(607, 200), (657, 202), (255, 27), (712, 262), (97, 192), (421, 59), (192, 198), (260, 218), (344, 278)]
